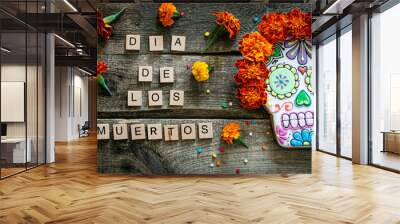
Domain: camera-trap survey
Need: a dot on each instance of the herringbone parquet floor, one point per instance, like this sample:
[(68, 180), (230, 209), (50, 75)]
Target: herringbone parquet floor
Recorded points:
[(70, 191)]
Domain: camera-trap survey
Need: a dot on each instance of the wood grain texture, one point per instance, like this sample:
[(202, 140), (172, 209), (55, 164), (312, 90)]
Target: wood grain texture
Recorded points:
[(148, 157), (71, 191), (142, 19), (123, 76), (180, 157)]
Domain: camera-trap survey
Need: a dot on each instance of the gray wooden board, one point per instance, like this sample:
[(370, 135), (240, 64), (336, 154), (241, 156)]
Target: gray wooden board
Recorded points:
[(180, 157), (161, 157), (123, 76), (142, 19)]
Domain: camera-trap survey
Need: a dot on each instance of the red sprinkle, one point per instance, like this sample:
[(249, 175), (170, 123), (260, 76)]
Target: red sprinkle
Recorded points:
[(182, 13), (247, 122), (237, 170), (221, 149)]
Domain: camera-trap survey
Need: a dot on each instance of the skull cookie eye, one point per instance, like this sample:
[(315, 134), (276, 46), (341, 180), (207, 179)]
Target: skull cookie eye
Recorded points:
[(283, 81)]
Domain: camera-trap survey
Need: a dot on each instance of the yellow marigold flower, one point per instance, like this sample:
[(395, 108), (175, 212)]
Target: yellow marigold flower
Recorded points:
[(231, 132), (200, 71)]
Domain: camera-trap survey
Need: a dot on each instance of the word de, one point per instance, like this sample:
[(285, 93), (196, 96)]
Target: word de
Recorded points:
[(170, 132), (176, 98), (156, 43), (145, 74)]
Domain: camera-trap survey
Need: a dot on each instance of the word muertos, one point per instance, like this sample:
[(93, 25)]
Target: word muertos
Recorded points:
[(155, 131)]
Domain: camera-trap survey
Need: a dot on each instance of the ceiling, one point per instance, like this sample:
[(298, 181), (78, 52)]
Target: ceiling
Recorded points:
[(75, 21)]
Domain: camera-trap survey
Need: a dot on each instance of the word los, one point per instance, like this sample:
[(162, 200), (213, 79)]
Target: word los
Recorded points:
[(176, 98), (156, 43), (155, 131)]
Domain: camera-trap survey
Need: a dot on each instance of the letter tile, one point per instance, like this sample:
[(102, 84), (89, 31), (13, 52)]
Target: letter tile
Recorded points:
[(166, 75), (134, 98), (178, 43), (103, 131), (176, 97), (155, 98), (145, 74), (188, 131), (156, 43), (171, 133), (154, 132), (132, 42), (120, 131), (138, 131), (205, 130)]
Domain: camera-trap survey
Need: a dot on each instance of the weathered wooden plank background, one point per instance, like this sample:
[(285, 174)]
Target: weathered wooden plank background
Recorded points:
[(180, 157)]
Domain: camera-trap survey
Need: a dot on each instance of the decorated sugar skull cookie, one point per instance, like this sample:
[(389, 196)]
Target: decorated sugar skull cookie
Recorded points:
[(290, 93)]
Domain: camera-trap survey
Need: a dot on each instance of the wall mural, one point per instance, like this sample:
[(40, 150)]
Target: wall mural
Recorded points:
[(174, 97)]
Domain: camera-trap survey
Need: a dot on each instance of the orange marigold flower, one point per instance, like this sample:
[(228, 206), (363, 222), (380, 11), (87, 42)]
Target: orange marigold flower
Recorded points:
[(274, 27), (103, 30), (254, 47), (231, 132), (101, 67), (165, 14), (229, 21), (299, 24), (252, 96), (249, 71)]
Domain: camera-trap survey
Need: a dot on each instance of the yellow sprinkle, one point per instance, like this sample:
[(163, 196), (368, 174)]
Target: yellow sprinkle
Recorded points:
[(206, 34)]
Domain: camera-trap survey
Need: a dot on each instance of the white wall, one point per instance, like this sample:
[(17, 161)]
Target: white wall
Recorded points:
[(71, 102)]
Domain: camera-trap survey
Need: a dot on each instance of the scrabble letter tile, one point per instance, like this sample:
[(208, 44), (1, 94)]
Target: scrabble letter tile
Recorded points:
[(138, 131), (178, 43), (205, 130), (154, 132), (134, 98), (155, 98), (132, 42), (103, 131), (156, 43), (120, 131), (171, 133), (188, 131), (176, 97), (145, 73), (166, 75)]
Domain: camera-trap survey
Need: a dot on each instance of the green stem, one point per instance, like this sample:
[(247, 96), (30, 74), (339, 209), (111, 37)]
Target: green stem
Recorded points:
[(241, 142), (210, 69), (215, 35)]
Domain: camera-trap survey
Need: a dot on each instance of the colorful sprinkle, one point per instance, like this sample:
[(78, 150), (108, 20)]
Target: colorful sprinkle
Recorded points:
[(251, 133), (206, 34), (199, 150), (224, 105), (245, 161), (182, 14), (230, 104), (256, 19), (214, 155), (253, 122), (218, 163), (221, 149), (247, 122), (237, 170), (211, 165), (208, 91), (264, 147)]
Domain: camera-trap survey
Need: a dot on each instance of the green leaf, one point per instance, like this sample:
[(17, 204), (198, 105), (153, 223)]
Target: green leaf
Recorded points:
[(114, 17)]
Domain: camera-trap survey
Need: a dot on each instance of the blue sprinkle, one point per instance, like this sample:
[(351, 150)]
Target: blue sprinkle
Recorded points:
[(253, 122), (199, 150), (256, 19)]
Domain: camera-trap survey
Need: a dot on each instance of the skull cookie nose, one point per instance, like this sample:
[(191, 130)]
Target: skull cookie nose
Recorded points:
[(303, 99)]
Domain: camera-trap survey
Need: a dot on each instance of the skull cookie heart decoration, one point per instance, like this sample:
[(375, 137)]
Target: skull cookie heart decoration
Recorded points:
[(290, 95)]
